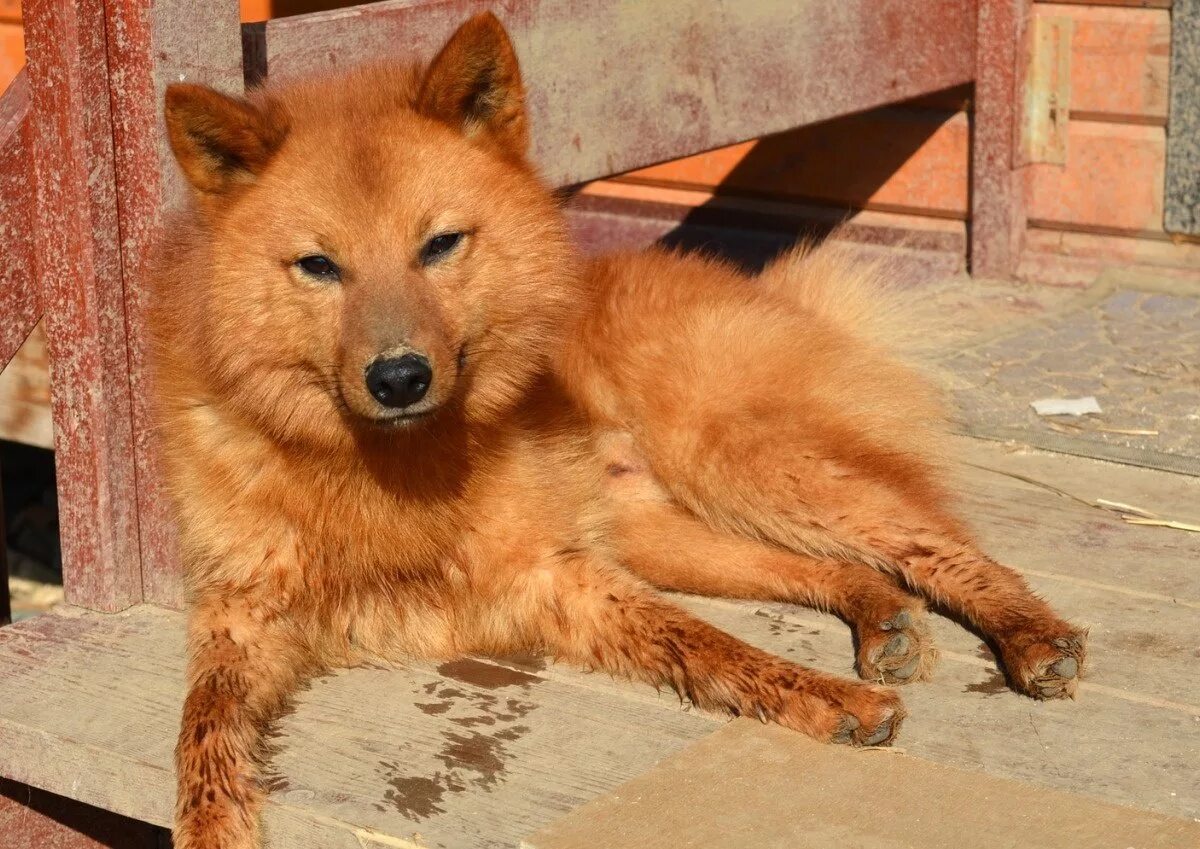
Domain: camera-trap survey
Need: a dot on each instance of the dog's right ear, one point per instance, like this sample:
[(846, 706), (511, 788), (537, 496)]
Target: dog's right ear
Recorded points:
[(220, 142)]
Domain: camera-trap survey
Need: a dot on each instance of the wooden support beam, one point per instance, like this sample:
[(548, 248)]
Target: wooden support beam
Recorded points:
[(151, 44), (78, 263), (997, 206)]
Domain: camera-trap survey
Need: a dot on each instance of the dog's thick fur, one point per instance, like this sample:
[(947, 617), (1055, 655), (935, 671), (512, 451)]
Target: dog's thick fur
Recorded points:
[(591, 430)]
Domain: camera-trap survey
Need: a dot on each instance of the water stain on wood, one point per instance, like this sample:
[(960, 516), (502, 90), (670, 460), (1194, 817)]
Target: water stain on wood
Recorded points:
[(992, 686), (433, 708), (486, 675), (417, 797), (474, 752)]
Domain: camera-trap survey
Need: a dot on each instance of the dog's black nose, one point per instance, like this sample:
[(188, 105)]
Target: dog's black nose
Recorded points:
[(399, 382)]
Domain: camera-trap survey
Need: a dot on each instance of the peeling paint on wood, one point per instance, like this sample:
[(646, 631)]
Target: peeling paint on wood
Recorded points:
[(615, 86), (997, 211), (1046, 91), (78, 264), (149, 46)]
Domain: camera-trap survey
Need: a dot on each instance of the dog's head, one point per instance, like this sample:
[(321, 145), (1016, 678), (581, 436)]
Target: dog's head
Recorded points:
[(373, 246)]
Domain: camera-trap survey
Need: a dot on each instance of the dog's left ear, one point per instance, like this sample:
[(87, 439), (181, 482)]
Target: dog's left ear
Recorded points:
[(474, 85)]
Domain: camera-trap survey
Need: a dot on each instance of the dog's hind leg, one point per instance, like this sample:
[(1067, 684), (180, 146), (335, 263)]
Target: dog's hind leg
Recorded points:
[(673, 550), (815, 501)]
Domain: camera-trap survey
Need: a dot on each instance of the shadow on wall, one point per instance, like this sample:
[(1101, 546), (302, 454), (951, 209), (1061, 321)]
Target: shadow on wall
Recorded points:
[(800, 184)]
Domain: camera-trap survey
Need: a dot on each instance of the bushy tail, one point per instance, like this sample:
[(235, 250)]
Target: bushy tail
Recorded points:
[(858, 294)]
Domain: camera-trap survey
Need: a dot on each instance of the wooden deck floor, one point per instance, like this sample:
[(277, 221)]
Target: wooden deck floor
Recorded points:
[(484, 753)]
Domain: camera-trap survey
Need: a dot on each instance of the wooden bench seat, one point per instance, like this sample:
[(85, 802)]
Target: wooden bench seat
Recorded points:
[(483, 753)]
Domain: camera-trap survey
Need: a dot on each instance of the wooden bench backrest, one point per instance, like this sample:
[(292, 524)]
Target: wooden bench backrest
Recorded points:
[(85, 174)]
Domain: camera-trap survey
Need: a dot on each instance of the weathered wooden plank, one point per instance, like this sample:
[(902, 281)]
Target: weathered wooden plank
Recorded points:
[(76, 237), (997, 203), (150, 45), (707, 73), (1112, 183), (966, 717), (709, 796), (1119, 61), (471, 755), (1039, 529), (789, 218), (1105, 250), (1183, 129), (20, 298), (1044, 90)]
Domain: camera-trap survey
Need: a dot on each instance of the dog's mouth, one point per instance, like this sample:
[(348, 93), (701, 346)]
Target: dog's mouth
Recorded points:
[(400, 419)]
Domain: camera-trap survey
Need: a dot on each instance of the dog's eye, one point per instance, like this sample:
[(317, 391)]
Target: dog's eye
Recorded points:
[(439, 246), (319, 266)]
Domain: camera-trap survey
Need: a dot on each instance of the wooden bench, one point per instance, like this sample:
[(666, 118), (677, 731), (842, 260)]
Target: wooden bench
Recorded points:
[(85, 177)]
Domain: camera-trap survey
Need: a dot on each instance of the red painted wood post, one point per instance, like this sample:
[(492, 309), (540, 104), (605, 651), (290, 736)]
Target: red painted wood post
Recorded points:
[(152, 43), (77, 261), (33, 818), (997, 196)]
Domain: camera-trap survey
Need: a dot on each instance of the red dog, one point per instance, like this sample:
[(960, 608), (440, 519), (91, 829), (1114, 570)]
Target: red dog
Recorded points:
[(403, 419)]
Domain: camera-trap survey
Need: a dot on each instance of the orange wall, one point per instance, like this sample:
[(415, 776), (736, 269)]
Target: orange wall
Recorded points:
[(1112, 182)]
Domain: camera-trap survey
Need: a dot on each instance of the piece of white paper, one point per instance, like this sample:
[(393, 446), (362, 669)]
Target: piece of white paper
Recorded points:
[(1066, 406)]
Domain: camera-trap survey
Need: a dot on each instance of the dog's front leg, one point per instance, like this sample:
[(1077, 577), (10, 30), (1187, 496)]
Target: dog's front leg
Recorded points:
[(599, 616), (244, 660)]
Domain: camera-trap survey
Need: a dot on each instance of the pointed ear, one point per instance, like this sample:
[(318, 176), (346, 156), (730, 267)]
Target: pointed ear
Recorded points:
[(474, 85), (220, 142)]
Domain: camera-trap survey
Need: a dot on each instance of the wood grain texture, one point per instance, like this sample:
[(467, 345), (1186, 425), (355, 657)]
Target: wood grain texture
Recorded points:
[(483, 754), (148, 46), (20, 297), (648, 82), (76, 240), (473, 756), (1112, 181)]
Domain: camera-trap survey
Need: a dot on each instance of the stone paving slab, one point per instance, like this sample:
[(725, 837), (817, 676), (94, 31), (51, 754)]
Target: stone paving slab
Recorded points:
[(1137, 352)]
